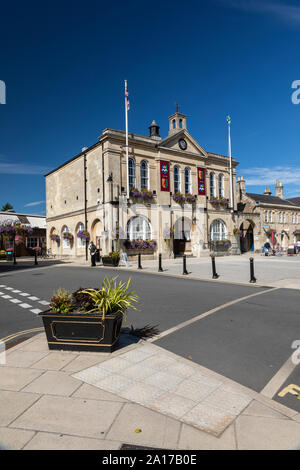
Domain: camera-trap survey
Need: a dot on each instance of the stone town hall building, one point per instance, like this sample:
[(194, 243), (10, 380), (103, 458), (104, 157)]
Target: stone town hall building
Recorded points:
[(88, 193)]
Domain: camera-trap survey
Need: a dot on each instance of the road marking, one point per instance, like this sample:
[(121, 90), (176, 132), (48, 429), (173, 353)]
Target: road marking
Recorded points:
[(280, 377), (25, 305), (24, 294), (14, 335), (1, 293), (9, 288), (16, 291), (15, 301), (36, 310), (33, 298), (206, 314), (44, 302), (3, 285), (289, 389), (6, 296)]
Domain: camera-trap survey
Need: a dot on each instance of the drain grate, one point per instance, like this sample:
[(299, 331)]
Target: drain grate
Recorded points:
[(134, 447)]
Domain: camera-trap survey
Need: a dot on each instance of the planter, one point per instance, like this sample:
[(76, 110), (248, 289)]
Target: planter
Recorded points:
[(82, 332), (109, 261), (137, 251)]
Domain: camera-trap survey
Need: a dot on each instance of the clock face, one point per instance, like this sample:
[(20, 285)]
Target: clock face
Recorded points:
[(182, 144)]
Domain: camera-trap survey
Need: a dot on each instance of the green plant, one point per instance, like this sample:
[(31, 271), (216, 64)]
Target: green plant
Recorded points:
[(82, 301), (112, 297), (61, 301), (113, 254)]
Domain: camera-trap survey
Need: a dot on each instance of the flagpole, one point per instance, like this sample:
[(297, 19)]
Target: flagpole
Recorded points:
[(230, 162), (126, 131)]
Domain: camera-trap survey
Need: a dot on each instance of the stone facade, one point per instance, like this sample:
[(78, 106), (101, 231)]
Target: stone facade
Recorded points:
[(89, 192), (264, 214)]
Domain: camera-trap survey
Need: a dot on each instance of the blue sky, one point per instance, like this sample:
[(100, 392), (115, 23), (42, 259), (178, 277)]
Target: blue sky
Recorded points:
[(64, 65)]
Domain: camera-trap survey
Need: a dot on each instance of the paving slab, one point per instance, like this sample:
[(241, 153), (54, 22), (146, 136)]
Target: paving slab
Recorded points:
[(95, 393), (262, 433), (13, 404), (55, 360), (73, 416), (50, 441), (16, 378), (156, 429), (23, 358), (15, 439), (53, 383), (194, 439)]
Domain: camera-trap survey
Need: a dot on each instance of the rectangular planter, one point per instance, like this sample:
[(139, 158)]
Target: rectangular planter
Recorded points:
[(110, 261), (82, 332)]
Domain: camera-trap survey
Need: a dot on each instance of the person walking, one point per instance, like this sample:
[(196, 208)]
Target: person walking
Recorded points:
[(92, 249)]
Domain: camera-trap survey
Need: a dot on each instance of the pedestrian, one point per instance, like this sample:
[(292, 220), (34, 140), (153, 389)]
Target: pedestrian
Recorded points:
[(92, 249)]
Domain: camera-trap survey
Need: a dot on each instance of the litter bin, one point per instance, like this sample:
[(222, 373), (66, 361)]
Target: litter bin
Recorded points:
[(9, 255), (97, 256)]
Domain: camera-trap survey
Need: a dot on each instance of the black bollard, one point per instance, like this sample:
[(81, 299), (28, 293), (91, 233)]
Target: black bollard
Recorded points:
[(252, 277), (184, 265), (139, 261), (160, 269), (35, 257), (14, 257), (213, 264)]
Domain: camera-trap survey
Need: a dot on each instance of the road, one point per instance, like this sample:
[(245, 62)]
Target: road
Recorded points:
[(243, 332)]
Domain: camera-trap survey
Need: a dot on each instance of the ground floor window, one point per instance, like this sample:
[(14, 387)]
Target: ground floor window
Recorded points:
[(32, 242), (139, 228), (217, 230)]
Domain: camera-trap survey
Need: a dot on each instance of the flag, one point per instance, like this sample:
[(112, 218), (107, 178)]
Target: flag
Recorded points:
[(126, 96)]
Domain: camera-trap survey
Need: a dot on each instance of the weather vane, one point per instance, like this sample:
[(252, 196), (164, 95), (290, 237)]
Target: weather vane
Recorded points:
[(177, 107)]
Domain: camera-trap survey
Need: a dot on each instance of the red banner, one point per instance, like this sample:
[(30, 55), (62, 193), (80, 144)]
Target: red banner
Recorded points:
[(201, 181), (164, 176)]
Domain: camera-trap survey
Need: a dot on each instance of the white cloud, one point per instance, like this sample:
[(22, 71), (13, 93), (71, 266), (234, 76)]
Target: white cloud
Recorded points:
[(267, 176), (22, 169), (36, 203), (284, 12)]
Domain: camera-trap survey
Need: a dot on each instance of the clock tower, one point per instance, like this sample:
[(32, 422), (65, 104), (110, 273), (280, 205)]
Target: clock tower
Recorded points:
[(177, 121)]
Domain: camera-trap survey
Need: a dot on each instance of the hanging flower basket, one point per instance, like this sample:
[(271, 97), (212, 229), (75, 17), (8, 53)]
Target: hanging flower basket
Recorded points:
[(15, 229), (179, 198), (296, 232), (219, 201), (83, 235), (145, 195), (55, 238), (190, 199), (237, 231), (68, 236)]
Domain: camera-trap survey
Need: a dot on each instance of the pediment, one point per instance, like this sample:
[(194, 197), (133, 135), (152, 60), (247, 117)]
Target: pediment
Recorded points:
[(172, 142)]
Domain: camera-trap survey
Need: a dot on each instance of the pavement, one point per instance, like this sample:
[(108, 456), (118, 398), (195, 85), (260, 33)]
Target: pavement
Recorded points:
[(139, 395)]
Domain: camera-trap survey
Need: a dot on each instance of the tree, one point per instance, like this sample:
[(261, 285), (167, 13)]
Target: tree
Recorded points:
[(7, 208)]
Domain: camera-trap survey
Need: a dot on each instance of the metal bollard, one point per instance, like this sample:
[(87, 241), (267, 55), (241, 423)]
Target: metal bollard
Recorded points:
[(252, 277), (214, 273), (139, 261), (160, 269), (14, 257), (35, 258), (184, 265)]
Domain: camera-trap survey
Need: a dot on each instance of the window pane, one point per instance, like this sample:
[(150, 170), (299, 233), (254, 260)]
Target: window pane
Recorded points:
[(144, 175), (212, 184), (187, 180), (131, 172), (176, 179)]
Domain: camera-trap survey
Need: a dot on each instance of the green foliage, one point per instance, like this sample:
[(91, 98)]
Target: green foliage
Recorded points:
[(112, 297), (61, 301), (82, 301), (113, 254), (7, 208)]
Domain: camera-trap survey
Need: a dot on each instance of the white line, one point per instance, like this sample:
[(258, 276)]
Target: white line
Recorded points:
[(33, 298), (205, 314), (16, 291), (9, 288), (279, 378), (6, 296), (15, 301), (3, 285), (25, 305), (44, 302), (36, 310), (1, 293), (24, 294)]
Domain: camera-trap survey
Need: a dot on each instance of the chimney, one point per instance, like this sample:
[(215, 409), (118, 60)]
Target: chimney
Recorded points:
[(241, 186), (279, 189), (267, 192), (154, 131)]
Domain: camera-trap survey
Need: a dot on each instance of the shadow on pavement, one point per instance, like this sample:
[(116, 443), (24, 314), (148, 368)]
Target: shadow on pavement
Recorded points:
[(8, 266)]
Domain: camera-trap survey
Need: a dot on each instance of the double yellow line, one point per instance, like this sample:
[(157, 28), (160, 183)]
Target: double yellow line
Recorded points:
[(15, 335)]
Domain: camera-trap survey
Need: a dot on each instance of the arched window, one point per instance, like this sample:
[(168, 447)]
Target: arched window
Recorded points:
[(144, 175), (131, 173), (180, 123), (212, 185), (65, 241), (176, 179), (139, 228), (187, 180), (217, 230), (80, 241), (221, 185), (174, 123)]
